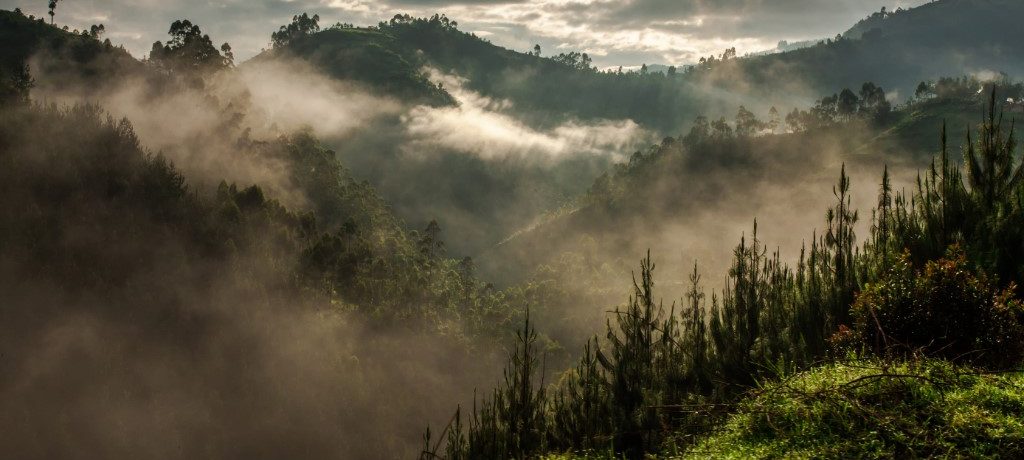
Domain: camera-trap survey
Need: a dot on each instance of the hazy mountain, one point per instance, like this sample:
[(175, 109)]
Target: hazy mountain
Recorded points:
[(323, 250), (895, 51)]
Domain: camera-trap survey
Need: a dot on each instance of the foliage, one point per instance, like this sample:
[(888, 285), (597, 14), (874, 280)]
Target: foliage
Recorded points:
[(373, 57), (945, 311), (924, 409), (75, 57), (652, 393), (15, 88), (871, 105), (189, 50), (301, 26), (511, 423)]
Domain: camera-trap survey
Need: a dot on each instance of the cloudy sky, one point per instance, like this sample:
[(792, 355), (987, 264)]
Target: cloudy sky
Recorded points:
[(614, 32)]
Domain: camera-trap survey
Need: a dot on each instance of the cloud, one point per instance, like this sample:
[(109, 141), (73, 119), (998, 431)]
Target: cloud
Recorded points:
[(293, 95), (482, 126), (615, 32)]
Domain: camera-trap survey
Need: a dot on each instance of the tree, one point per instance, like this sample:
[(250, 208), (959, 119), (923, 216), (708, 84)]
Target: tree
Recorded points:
[(431, 245), (188, 50), (924, 90), (873, 103), (301, 26), (774, 120), (825, 111), (574, 59), (847, 104), (536, 50), (229, 56), (795, 121), (720, 129), (95, 31), (700, 131), (15, 88), (747, 123), (53, 7)]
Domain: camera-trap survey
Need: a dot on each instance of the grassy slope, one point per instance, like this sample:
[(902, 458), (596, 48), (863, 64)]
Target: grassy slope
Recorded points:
[(867, 410), (928, 409)]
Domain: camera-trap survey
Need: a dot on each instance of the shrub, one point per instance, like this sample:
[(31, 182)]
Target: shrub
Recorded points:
[(945, 311)]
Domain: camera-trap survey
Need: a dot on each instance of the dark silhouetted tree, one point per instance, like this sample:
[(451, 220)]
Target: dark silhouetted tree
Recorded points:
[(302, 25), (747, 123), (188, 50), (53, 8), (229, 56), (846, 105)]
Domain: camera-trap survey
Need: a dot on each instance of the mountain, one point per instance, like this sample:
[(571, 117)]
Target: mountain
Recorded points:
[(199, 259), (895, 51), (542, 93)]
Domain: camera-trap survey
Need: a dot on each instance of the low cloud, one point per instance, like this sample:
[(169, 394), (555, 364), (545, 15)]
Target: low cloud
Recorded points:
[(293, 95), (482, 126)]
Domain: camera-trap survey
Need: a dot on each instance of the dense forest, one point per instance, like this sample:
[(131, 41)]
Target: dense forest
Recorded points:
[(404, 241)]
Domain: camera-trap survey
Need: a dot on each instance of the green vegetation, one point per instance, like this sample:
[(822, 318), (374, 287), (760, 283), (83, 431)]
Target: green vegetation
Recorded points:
[(152, 313), (867, 409), (81, 54), (189, 50), (895, 50), (370, 56), (660, 377), (896, 56)]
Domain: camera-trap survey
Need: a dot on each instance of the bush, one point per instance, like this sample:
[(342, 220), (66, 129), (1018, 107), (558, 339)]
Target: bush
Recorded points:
[(944, 311)]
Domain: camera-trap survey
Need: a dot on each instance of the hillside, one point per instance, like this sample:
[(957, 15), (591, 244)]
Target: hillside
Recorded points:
[(78, 57), (544, 95), (715, 182), (875, 410), (235, 281), (897, 56), (368, 56), (946, 37), (322, 251), (842, 351)]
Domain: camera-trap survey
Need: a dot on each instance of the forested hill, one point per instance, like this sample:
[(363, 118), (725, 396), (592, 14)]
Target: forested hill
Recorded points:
[(392, 56), (369, 56), (80, 54), (977, 21), (895, 50), (234, 281)]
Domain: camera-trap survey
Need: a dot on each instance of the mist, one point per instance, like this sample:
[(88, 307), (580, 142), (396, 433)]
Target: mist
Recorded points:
[(326, 249), (179, 355)]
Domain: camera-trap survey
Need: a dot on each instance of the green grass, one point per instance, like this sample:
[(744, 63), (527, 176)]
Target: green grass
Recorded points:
[(863, 410), (929, 409)]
